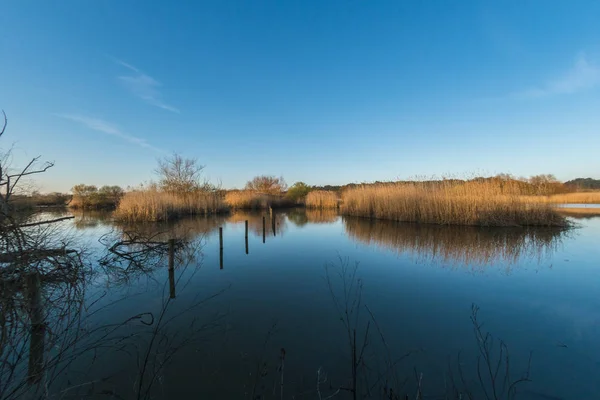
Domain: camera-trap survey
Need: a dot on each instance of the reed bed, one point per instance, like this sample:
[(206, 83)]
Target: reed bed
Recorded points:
[(322, 199), (481, 203), (252, 200), (566, 198), (459, 245), (155, 205), (246, 199)]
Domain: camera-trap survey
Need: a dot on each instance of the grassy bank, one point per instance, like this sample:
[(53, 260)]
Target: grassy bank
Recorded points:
[(155, 205), (482, 203), (322, 199)]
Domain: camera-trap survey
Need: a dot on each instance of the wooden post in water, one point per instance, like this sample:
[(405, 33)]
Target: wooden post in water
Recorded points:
[(38, 329), (172, 268), (221, 247), (273, 224), (264, 229), (246, 236)]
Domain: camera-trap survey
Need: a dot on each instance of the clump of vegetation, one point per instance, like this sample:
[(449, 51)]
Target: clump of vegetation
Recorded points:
[(584, 184), (154, 204), (262, 192), (180, 191), (88, 197), (246, 199), (484, 202), (298, 192), (322, 199), (251, 200), (267, 184)]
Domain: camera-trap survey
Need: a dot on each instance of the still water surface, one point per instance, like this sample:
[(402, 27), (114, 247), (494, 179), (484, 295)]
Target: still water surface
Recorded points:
[(217, 327)]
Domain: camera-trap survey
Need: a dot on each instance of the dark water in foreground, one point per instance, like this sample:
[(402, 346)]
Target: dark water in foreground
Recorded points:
[(218, 328)]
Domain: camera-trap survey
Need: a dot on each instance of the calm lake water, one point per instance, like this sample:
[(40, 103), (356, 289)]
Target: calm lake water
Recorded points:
[(220, 327)]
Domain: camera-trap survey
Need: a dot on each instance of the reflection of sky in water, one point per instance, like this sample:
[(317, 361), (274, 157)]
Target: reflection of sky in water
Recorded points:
[(578, 205), (537, 291)]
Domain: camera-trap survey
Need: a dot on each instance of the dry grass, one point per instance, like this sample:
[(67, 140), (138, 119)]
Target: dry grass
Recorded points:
[(566, 198), (460, 245), (482, 203), (322, 199), (155, 205), (252, 200), (246, 199)]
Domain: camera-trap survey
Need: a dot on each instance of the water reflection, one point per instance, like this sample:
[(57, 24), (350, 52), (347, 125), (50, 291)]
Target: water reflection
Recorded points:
[(301, 217), (462, 245), (61, 331), (40, 321), (274, 224), (580, 212), (121, 320)]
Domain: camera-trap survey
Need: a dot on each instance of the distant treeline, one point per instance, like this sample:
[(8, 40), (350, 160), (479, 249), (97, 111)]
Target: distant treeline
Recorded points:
[(584, 184), (90, 197)]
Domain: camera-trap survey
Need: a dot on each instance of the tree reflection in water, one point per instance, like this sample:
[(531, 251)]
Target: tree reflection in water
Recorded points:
[(51, 313)]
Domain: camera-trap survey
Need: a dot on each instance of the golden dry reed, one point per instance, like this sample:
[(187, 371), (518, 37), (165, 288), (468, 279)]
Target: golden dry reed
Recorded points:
[(459, 245), (449, 202), (322, 199), (566, 198), (253, 200), (246, 199), (155, 205)]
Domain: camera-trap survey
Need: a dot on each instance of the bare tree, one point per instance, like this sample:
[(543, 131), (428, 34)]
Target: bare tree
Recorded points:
[(180, 175), (23, 240), (267, 184), (35, 257)]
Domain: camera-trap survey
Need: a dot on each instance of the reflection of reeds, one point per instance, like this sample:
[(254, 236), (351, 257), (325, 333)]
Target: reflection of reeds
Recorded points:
[(91, 219), (301, 217), (322, 199), (185, 229), (456, 244), (192, 227), (255, 221), (484, 203), (323, 216)]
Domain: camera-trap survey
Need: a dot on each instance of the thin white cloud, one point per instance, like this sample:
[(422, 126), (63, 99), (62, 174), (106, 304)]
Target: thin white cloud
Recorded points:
[(584, 75), (107, 128), (144, 86)]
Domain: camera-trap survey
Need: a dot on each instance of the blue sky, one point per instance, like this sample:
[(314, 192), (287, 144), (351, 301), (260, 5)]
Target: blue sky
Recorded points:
[(318, 91)]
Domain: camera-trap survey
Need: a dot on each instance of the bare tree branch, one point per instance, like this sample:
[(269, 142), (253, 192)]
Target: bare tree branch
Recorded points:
[(5, 123)]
